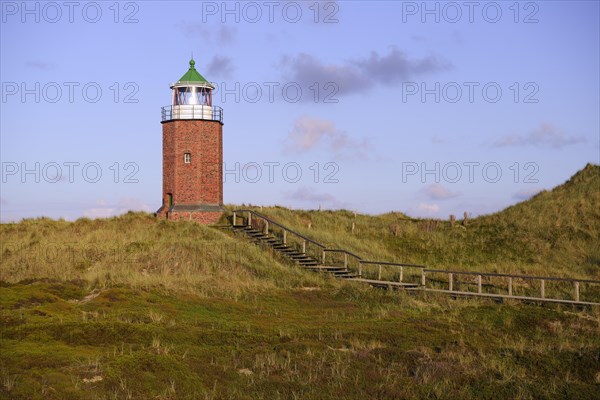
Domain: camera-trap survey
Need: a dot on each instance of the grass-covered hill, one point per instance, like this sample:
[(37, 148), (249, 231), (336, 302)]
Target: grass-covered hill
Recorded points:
[(135, 308), (555, 233)]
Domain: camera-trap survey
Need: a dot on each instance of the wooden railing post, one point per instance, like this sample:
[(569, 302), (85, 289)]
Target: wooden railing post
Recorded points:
[(359, 269), (304, 247), (379, 272), (576, 291), (266, 227), (510, 285), (249, 219), (234, 218), (401, 274), (422, 276), (543, 288), (284, 236), (478, 283), (450, 281), (323, 257), (346, 260)]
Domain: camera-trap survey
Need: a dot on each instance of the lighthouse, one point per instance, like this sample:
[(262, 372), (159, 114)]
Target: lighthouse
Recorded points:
[(192, 137)]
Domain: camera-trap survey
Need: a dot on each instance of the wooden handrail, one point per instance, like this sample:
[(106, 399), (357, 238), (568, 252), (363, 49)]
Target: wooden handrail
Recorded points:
[(425, 270), (344, 251), (259, 215), (392, 264), (547, 278)]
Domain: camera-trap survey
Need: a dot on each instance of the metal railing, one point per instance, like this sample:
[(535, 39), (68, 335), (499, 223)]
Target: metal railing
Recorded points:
[(192, 111)]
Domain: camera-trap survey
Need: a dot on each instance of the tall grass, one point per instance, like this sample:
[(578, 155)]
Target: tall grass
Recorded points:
[(555, 233), (133, 307), (137, 250)]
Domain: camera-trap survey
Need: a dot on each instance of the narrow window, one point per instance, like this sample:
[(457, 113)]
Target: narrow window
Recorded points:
[(187, 158)]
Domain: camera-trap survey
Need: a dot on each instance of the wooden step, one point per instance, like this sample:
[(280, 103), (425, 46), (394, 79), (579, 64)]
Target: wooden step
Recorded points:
[(309, 262), (325, 268), (290, 252), (309, 265), (256, 234), (348, 275), (375, 282), (300, 255)]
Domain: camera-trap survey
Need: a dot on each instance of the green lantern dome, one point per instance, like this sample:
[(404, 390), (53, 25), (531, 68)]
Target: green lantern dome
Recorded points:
[(192, 76)]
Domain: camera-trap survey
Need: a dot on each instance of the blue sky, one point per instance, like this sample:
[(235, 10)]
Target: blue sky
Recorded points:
[(427, 108)]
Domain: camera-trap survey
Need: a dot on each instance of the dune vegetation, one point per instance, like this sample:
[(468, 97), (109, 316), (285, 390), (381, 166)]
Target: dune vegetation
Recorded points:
[(135, 308)]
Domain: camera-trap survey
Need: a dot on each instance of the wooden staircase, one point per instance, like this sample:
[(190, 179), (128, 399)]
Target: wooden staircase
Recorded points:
[(314, 256), (291, 253)]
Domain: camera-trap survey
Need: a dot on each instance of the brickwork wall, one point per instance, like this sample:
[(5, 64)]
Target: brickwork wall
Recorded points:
[(200, 181)]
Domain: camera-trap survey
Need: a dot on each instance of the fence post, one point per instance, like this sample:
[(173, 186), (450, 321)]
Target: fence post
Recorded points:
[(422, 276), (576, 291), (450, 281), (323, 257), (266, 227), (401, 273), (234, 218), (379, 273), (510, 285), (359, 269), (249, 219), (284, 236), (346, 260), (478, 283), (304, 247), (543, 289)]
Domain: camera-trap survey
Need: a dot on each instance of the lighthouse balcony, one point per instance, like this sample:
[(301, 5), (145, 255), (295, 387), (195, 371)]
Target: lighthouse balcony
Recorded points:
[(192, 111)]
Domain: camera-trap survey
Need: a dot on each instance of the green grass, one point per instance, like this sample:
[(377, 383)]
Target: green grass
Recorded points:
[(556, 233), (346, 341), (131, 307)]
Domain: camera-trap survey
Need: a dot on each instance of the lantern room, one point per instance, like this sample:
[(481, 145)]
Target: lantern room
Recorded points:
[(192, 98)]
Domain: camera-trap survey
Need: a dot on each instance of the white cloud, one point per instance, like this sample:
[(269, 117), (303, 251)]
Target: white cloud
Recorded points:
[(104, 209), (436, 191), (306, 195), (526, 194), (312, 133), (309, 133), (428, 208), (546, 135)]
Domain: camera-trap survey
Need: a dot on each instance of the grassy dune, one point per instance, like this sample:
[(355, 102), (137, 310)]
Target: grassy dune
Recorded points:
[(135, 308), (555, 233)]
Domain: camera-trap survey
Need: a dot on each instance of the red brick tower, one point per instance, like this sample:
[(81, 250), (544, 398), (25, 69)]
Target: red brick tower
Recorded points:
[(192, 152)]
